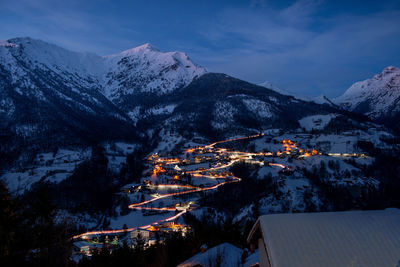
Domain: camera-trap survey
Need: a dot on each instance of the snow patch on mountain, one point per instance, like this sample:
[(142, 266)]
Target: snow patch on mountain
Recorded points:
[(50, 166), (116, 153), (258, 107), (25, 130), (168, 141), (135, 114), (162, 110), (6, 43), (316, 122), (273, 99), (223, 115), (7, 106)]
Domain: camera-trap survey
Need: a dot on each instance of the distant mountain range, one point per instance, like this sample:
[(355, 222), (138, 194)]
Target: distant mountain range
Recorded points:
[(317, 99), (51, 97), (377, 97)]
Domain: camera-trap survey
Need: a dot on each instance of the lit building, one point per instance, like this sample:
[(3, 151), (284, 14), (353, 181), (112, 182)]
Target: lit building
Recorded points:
[(145, 234)]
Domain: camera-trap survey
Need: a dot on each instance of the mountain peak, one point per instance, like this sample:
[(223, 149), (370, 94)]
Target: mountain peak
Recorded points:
[(390, 69), (375, 96), (28, 40), (140, 69), (16, 41), (147, 69), (147, 47), (386, 72), (7, 43)]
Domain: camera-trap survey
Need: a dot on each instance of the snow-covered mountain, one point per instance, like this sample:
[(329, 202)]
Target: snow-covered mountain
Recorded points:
[(146, 69), (135, 76), (51, 96), (376, 97), (140, 69), (44, 86), (217, 106)]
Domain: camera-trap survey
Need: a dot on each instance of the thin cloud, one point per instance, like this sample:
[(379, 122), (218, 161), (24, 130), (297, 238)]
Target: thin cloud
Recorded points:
[(308, 46), (298, 57)]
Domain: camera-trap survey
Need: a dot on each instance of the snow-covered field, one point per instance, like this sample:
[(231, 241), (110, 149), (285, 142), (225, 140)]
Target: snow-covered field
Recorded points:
[(50, 167), (316, 122), (116, 154), (57, 166)]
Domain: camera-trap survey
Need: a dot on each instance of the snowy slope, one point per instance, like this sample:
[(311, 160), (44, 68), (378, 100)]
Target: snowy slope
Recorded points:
[(45, 56), (316, 122), (49, 95), (50, 167), (376, 97), (142, 69), (56, 81)]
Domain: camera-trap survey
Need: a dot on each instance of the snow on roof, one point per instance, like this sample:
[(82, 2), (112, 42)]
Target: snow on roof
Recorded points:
[(252, 259), (81, 244), (351, 238), (230, 256)]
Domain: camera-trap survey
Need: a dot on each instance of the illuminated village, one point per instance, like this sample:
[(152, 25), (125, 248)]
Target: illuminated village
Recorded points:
[(198, 169)]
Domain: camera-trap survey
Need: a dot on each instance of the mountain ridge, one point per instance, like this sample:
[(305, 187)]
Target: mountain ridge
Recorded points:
[(377, 97), (141, 93)]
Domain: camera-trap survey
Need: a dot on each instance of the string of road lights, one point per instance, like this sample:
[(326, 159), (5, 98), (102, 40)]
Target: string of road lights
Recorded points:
[(200, 173)]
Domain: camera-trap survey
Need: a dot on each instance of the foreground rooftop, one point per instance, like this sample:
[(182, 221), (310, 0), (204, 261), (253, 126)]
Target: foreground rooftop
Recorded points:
[(350, 238)]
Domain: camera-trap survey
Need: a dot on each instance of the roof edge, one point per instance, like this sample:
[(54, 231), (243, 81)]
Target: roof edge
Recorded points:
[(253, 230)]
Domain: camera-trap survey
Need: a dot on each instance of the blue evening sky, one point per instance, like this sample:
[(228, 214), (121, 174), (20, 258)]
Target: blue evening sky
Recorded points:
[(309, 47)]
